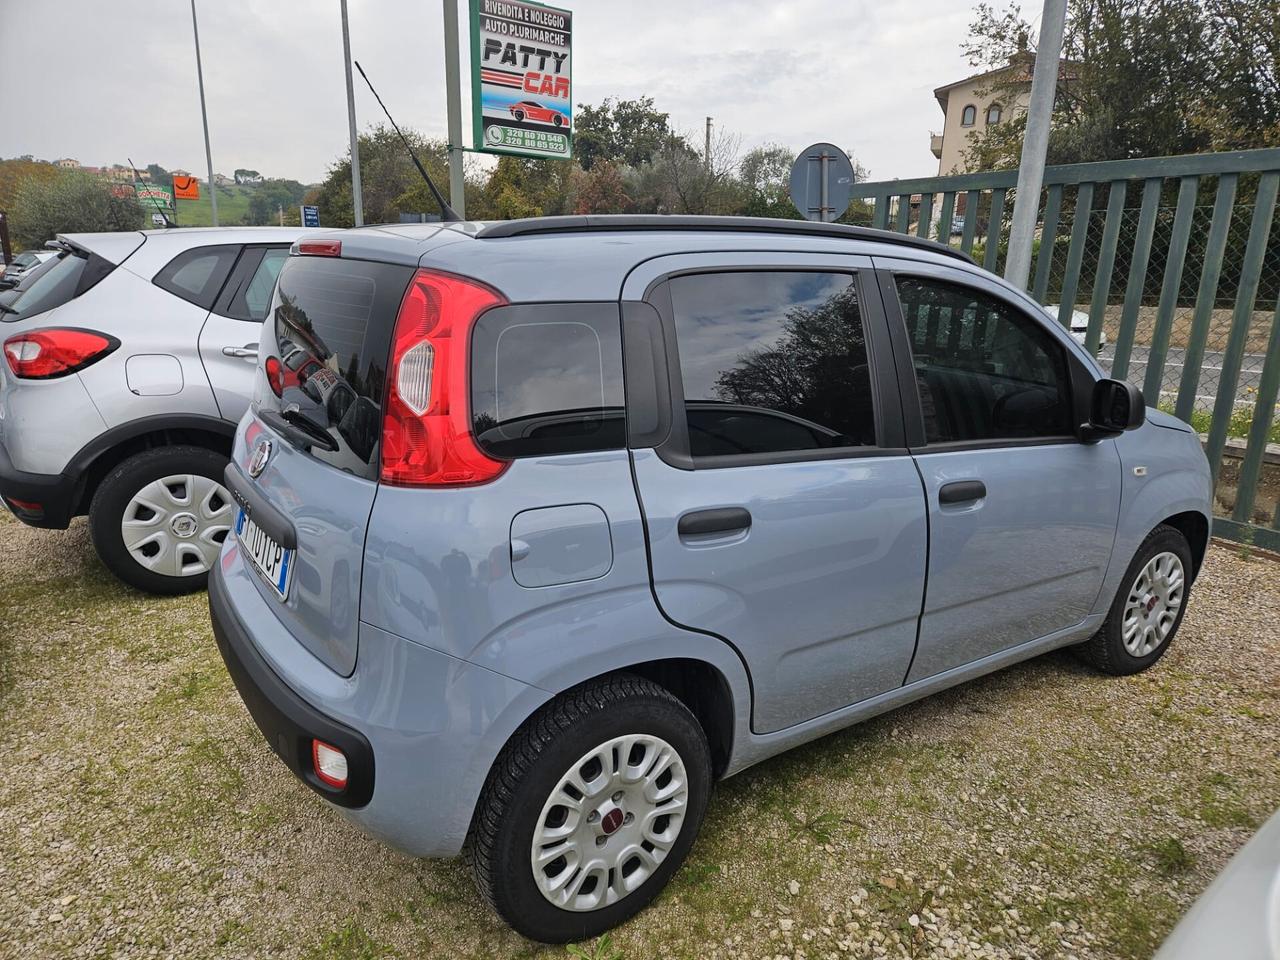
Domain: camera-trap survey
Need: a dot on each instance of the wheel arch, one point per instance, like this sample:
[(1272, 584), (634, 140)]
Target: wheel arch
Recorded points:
[(1193, 525), (112, 447)]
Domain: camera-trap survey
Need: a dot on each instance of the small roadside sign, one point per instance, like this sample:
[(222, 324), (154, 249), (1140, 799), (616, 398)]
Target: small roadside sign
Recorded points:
[(186, 188), (150, 195), (310, 216), (821, 181), (521, 76), (158, 219)]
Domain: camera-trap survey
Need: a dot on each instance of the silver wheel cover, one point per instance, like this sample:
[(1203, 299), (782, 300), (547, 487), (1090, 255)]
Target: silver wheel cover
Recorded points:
[(1154, 601), (175, 526), (610, 821)]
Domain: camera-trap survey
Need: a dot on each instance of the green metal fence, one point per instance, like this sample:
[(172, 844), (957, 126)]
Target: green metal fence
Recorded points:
[(1176, 263)]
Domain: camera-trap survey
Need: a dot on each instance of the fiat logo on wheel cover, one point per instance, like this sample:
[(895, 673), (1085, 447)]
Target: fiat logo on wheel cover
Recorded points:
[(261, 454)]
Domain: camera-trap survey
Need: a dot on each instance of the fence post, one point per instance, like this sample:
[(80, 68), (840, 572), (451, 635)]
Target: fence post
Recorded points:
[(992, 253), (1250, 274), (1263, 413), (1075, 253), (926, 214), (946, 216), (1048, 242), (1171, 287), (972, 199), (1106, 263), (1137, 279)]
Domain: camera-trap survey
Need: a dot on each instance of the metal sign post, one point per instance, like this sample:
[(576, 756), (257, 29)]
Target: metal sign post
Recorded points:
[(453, 94), (821, 182), (204, 116), (357, 195)]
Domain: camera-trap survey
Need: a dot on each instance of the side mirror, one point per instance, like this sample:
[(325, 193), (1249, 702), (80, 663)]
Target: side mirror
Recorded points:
[(1114, 407)]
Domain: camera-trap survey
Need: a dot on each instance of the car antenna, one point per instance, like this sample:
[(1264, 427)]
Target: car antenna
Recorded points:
[(138, 180), (446, 212)]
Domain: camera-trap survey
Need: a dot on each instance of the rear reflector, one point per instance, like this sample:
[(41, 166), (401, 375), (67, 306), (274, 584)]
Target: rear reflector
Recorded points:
[(320, 248), (426, 427), (55, 351), (330, 764), (26, 507)]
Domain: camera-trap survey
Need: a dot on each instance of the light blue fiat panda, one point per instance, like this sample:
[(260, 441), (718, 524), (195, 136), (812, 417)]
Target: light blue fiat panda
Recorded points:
[(543, 526)]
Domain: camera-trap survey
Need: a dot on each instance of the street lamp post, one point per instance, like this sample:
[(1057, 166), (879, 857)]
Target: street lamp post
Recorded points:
[(204, 116)]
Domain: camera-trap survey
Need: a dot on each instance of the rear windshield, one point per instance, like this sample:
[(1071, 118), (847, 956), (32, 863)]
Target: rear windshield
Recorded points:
[(333, 321), (53, 283)]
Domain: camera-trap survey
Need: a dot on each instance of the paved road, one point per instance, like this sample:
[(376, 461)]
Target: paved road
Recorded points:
[(1210, 371)]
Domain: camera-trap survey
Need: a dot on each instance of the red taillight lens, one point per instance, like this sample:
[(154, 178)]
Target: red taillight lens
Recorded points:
[(275, 375), (426, 430), (55, 352), (320, 248), (329, 763)]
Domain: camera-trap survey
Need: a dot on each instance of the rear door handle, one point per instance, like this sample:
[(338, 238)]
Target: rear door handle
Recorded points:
[(962, 491), (248, 351), (718, 520)]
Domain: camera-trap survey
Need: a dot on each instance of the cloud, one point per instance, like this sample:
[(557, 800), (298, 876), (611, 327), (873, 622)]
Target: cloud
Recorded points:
[(117, 80)]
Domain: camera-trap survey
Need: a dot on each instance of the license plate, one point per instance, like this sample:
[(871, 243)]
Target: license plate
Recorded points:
[(273, 561)]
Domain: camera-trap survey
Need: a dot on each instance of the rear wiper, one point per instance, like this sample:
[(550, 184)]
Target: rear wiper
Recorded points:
[(5, 308), (299, 428)]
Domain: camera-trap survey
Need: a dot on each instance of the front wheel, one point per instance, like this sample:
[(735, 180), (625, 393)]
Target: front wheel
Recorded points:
[(158, 519), (590, 809), (1148, 608), (519, 115)]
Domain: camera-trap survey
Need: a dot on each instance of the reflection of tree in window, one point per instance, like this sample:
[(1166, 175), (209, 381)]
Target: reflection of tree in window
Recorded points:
[(817, 370)]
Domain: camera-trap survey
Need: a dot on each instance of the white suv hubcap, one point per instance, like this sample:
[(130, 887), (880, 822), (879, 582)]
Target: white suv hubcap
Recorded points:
[(175, 525), (1153, 604), (610, 821)]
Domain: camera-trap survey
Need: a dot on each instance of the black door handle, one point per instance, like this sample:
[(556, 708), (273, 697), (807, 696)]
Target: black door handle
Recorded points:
[(719, 520), (962, 491)]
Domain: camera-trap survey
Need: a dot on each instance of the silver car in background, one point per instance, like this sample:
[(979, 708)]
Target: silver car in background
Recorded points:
[(127, 362)]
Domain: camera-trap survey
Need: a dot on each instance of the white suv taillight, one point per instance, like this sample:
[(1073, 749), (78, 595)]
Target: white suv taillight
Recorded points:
[(426, 430), (330, 764), (55, 351)]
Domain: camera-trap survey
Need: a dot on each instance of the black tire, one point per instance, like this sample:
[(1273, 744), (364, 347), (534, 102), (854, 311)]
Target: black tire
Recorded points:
[(118, 489), (529, 769), (1105, 650), (519, 115), (557, 120)]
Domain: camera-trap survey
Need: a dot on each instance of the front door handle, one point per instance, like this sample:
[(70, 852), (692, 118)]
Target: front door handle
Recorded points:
[(718, 520), (248, 352), (962, 491)]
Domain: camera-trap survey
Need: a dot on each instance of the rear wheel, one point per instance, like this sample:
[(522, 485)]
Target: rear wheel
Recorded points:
[(590, 809), (158, 519), (519, 114), (1148, 608)]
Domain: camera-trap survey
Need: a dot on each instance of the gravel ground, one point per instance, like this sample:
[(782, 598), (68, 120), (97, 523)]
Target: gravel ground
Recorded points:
[(1041, 812)]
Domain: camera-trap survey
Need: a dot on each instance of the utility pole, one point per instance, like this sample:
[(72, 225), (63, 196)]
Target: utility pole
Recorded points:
[(1035, 144), (706, 150), (453, 95), (280, 210), (204, 116), (357, 196)]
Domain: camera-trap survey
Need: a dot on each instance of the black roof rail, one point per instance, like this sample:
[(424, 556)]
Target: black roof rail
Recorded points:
[(532, 226)]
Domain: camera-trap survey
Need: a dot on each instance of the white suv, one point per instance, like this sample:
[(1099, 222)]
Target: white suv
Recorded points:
[(128, 360)]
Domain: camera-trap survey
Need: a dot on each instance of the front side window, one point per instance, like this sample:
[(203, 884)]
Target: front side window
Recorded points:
[(546, 379), (985, 370), (772, 362)]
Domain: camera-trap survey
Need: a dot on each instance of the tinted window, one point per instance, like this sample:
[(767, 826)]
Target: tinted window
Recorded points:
[(333, 321), (254, 297), (53, 283), (772, 362), (985, 370), (547, 379), (197, 275)]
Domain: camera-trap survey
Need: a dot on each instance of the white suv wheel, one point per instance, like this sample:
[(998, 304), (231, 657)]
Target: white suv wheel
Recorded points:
[(175, 526)]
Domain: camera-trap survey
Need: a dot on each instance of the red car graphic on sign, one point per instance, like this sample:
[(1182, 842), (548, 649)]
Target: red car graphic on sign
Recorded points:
[(532, 110)]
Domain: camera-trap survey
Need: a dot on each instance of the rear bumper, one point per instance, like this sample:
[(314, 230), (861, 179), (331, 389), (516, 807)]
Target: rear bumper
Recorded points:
[(434, 723), (288, 723), (21, 492)]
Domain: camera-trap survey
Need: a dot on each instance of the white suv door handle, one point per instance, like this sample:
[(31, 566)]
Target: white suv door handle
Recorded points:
[(248, 352)]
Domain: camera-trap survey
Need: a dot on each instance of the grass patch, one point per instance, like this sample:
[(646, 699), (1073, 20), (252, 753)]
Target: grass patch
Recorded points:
[(1170, 856)]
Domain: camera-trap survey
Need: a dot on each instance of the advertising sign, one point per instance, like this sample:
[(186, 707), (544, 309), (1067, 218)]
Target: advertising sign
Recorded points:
[(521, 78), (310, 216), (150, 195), (186, 188)]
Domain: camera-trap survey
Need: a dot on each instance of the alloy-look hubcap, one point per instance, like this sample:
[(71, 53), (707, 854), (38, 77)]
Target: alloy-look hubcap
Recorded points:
[(1154, 601), (175, 525), (610, 821)]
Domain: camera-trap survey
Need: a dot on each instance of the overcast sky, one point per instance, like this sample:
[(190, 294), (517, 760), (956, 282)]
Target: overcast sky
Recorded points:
[(101, 81)]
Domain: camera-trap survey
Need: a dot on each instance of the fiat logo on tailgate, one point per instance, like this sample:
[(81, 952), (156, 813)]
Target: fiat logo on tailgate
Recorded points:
[(261, 454)]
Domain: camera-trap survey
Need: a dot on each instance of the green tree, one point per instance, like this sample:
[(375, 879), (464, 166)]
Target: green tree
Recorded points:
[(270, 196), (765, 173), (14, 172), (159, 175), (71, 202), (630, 132), (602, 190)]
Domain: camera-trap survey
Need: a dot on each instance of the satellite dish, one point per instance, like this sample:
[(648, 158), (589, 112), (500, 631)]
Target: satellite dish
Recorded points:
[(821, 181)]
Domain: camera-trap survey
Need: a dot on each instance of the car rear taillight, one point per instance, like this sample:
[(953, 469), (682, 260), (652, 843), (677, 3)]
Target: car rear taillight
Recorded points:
[(426, 429), (275, 375), (55, 352), (329, 763)]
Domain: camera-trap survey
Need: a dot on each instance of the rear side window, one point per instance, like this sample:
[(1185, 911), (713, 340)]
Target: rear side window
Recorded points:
[(197, 275), (985, 370), (333, 321), (546, 379), (772, 362), (54, 283)]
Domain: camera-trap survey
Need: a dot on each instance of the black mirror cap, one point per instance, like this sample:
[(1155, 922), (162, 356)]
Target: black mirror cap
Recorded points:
[(1115, 406)]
